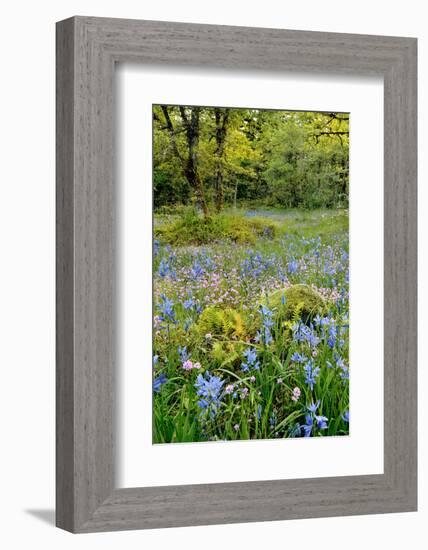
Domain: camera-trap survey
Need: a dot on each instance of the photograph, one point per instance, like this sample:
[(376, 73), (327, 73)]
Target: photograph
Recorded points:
[(250, 274)]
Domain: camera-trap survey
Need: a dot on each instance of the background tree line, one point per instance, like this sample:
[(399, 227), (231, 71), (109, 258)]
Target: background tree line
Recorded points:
[(220, 157)]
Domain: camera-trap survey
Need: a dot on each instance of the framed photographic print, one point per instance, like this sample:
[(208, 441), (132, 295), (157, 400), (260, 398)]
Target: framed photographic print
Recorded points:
[(236, 274)]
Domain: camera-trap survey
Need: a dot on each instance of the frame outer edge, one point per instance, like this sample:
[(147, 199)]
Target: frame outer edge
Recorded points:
[(94, 275), (65, 56), (86, 498)]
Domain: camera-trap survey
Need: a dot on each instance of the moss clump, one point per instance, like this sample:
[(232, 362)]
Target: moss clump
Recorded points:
[(223, 323), (299, 301), (192, 229)]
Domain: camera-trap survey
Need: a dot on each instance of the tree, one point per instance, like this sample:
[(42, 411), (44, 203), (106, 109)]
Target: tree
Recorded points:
[(222, 157), (221, 122), (190, 125)]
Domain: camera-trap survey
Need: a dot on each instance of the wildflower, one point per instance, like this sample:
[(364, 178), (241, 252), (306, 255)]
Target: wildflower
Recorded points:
[(189, 303), (298, 358), (209, 389), (264, 335), (292, 266), (188, 365), (307, 428), (345, 416), (155, 359), (208, 336), (339, 361), (252, 378), (251, 355), (303, 333), (296, 394), (164, 268), (321, 422), (311, 374), (344, 375), (236, 427), (229, 388), (167, 309), (331, 341), (197, 270), (251, 360), (182, 351), (314, 406), (244, 393), (279, 381), (196, 365), (158, 382)]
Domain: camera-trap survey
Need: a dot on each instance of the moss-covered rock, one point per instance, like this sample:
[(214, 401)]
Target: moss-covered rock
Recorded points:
[(297, 301)]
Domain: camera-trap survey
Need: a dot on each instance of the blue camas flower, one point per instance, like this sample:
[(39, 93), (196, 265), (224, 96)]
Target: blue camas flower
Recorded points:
[(292, 266), (298, 358), (164, 268), (308, 427), (264, 335), (182, 352), (321, 422), (251, 362), (159, 382), (189, 303), (167, 309), (311, 374), (314, 406), (197, 270), (209, 389)]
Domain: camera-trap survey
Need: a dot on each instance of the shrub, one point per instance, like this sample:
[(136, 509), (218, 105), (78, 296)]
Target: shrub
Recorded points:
[(297, 299)]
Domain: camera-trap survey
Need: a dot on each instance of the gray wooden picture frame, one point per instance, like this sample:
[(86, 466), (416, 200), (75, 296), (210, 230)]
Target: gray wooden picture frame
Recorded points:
[(87, 50)]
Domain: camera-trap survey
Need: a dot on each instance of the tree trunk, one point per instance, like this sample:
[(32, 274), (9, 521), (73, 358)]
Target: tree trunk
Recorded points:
[(220, 135), (191, 170), (190, 165)]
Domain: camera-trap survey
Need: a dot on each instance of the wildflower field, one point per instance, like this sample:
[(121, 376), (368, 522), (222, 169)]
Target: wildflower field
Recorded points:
[(251, 339), (250, 274)]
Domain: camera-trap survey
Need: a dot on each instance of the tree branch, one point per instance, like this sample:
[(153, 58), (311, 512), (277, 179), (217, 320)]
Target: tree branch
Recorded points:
[(169, 126)]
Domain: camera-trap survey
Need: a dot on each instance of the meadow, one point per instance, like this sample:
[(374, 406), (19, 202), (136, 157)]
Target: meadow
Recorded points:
[(251, 324)]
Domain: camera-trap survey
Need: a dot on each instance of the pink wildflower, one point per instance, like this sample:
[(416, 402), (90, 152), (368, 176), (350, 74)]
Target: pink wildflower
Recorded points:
[(188, 365), (296, 394), (244, 393)]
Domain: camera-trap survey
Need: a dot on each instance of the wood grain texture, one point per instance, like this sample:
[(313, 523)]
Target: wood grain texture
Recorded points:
[(87, 50)]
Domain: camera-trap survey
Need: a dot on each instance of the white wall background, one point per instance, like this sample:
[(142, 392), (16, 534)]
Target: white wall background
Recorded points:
[(27, 271)]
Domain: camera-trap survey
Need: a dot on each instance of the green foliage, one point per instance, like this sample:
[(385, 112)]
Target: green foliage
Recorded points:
[(297, 300), (226, 323), (191, 228), (276, 158)]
